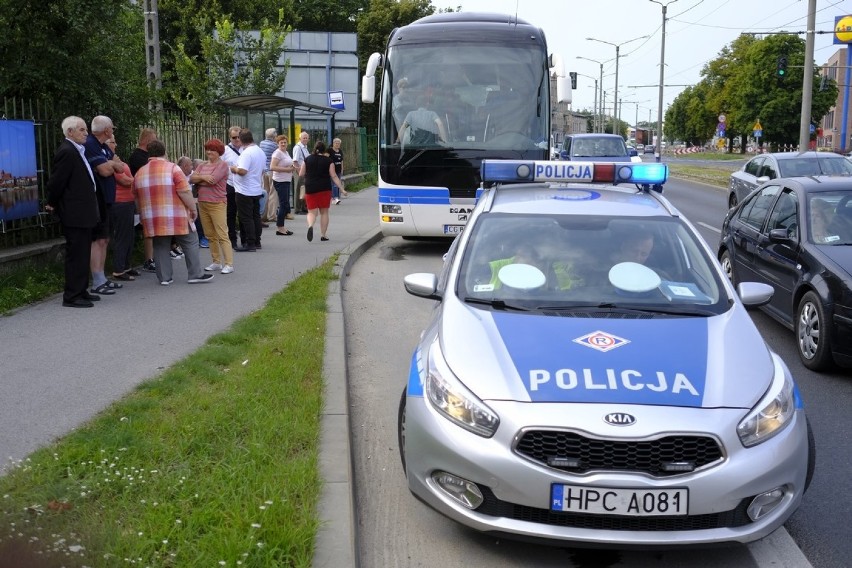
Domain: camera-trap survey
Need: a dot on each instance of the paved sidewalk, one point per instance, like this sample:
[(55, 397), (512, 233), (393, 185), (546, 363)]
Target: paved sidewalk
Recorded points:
[(61, 366)]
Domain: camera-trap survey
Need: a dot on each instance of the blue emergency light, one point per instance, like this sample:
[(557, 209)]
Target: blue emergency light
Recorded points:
[(518, 171)]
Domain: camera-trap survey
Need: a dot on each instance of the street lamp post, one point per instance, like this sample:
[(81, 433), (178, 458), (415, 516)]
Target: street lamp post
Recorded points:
[(617, 50), (658, 151), (600, 105)]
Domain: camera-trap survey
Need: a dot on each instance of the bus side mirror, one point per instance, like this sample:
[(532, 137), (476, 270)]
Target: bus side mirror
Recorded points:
[(563, 90), (368, 89), (368, 81)]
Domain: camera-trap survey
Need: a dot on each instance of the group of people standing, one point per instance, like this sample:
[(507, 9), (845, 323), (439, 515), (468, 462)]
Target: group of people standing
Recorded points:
[(97, 196)]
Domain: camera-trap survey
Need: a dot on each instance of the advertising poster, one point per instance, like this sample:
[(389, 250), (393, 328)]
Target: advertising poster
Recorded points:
[(18, 178)]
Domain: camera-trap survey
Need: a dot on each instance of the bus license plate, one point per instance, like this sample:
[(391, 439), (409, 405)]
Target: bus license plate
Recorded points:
[(453, 229), (619, 501)]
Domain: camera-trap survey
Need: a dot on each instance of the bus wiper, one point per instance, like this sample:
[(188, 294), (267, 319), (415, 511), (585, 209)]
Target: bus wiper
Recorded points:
[(496, 304), (407, 163)]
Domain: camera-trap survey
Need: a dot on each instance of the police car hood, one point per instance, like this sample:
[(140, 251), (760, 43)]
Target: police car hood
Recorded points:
[(718, 361)]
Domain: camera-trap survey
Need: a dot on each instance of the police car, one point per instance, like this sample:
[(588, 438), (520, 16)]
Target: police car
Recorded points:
[(591, 376)]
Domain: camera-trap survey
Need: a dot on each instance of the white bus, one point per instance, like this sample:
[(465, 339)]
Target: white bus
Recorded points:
[(457, 88)]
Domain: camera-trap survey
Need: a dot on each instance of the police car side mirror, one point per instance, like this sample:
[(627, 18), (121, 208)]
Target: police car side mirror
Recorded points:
[(423, 285), (754, 294), (564, 155)]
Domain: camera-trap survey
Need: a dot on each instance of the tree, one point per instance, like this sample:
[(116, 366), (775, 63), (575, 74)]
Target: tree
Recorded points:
[(742, 84), (689, 118), (232, 62), (86, 59), (325, 16)]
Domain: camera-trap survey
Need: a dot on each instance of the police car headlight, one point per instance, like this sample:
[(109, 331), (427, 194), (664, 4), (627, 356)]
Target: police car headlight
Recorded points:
[(453, 400), (773, 413)]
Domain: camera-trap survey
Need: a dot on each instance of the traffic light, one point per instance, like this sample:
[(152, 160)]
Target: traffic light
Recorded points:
[(781, 69), (573, 75)]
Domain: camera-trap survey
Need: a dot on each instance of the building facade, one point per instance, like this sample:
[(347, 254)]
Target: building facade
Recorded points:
[(831, 125)]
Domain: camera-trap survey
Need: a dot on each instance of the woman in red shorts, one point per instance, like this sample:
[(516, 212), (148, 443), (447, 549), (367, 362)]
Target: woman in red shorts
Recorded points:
[(318, 172)]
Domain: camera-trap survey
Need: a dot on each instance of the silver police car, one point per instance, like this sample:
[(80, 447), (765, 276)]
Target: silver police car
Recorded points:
[(591, 376)]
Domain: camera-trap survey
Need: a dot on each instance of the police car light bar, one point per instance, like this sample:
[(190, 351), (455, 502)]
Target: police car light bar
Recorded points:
[(517, 171)]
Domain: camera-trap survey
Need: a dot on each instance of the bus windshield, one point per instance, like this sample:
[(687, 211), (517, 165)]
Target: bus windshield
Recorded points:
[(464, 96)]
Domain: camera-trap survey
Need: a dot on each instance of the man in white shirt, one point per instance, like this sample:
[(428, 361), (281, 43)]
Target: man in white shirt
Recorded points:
[(248, 185), (230, 157), (300, 152)]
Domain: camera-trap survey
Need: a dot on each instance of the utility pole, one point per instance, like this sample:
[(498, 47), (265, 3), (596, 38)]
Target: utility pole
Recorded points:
[(808, 82), (152, 47), (658, 151)]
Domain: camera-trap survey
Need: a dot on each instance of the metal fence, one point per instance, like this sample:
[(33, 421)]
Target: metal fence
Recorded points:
[(182, 137)]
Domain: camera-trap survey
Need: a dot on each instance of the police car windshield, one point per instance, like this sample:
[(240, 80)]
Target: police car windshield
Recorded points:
[(556, 262)]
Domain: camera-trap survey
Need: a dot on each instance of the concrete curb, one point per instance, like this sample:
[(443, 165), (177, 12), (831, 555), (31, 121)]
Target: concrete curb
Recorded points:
[(336, 543)]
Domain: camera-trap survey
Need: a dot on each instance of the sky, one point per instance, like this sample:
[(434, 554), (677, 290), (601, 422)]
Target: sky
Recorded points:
[(696, 31)]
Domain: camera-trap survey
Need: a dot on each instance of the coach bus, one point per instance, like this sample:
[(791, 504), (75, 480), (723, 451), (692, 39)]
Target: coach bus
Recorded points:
[(456, 88)]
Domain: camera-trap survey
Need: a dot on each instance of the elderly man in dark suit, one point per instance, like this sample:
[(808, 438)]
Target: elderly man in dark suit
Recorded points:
[(73, 195)]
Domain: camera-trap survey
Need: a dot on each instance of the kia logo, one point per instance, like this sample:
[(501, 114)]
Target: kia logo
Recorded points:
[(620, 419)]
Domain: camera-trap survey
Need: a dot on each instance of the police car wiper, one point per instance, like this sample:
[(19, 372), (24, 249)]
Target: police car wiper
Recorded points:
[(620, 308), (496, 304)]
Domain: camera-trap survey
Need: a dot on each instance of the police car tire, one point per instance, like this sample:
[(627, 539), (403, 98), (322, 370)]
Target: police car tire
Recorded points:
[(400, 433), (821, 359)]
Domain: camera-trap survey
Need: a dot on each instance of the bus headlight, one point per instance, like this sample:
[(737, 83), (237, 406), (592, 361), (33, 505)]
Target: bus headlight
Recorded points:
[(392, 208)]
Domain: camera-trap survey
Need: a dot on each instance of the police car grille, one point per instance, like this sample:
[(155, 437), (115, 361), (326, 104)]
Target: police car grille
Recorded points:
[(580, 454), (494, 507)]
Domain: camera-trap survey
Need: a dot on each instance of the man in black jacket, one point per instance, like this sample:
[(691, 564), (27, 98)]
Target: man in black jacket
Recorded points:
[(74, 196)]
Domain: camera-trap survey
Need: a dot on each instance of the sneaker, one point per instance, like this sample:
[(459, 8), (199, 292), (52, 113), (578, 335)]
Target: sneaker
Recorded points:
[(167, 282), (149, 265), (204, 243), (289, 216), (176, 254), (227, 269), (336, 201), (212, 267), (200, 279)]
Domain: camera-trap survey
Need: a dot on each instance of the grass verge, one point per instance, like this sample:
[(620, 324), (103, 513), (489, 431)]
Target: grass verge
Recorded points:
[(714, 176), (29, 283), (213, 463)]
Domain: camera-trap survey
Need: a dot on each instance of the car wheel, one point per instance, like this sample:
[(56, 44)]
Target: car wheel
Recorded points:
[(400, 433), (732, 200), (813, 335), (811, 455), (728, 267)]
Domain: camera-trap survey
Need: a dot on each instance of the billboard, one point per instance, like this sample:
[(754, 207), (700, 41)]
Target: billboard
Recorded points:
[(18, 177)]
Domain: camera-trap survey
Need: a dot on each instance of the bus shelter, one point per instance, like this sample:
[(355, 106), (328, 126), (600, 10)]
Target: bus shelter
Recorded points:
[(281, 107)]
